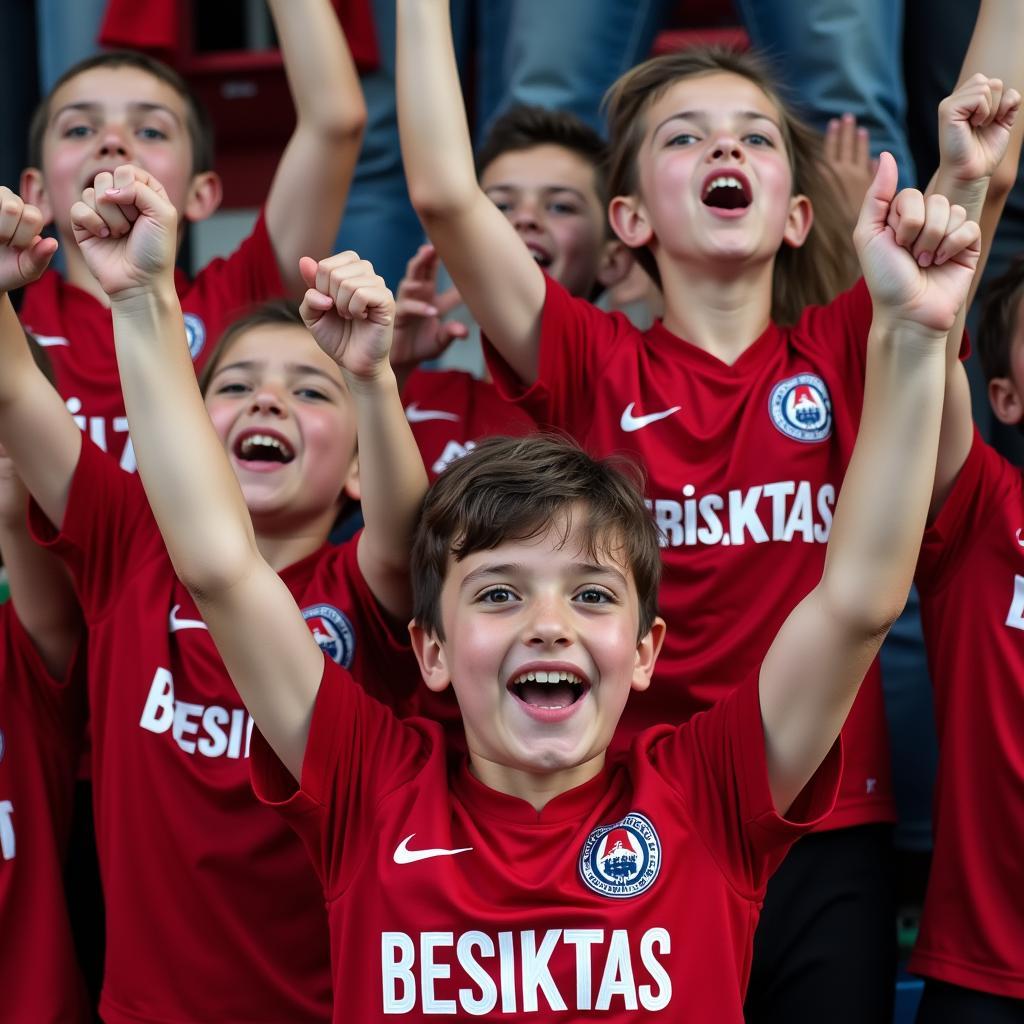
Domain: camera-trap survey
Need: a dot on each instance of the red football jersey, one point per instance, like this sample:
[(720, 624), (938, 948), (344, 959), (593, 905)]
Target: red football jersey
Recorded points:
[(744, 463), (40, 729), (637, 891), (213, 911), (450, 410), (971, 579), (78, 332)]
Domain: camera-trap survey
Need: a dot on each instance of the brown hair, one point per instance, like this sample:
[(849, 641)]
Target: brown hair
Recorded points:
[(275, 312), (514, 488), (200, 128), (1000, 316), (817, 271)]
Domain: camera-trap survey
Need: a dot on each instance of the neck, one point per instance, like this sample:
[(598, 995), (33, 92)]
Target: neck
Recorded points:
[(537, 788), (721, 313), (284, 543)]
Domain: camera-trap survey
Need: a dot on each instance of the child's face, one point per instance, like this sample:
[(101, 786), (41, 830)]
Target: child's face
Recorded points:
[(549, 195), (539, 606), (108, 116), (284, 416), (715, 178)]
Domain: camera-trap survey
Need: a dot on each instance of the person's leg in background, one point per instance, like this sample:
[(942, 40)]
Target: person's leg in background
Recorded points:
[(67, 33)]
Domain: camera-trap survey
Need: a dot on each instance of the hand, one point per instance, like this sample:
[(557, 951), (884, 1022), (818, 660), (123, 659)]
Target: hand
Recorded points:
[(24, 254), (350, 311), (126, 229), (974, 127), (918, 254), (847, 152), (419, 333)]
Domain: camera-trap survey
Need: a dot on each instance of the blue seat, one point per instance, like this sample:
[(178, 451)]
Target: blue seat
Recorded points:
[(908, 996)]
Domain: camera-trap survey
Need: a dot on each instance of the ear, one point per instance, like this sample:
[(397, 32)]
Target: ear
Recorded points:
[(616, 263), (351, 487), (647, 651), (430, 654), (32, 189), (205, 193), (799, 221), (1006, 401), (628, 219)]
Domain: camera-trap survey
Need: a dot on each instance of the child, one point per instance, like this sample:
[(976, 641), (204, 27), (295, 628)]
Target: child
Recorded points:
[(971, 578), (543, 169), (744, 427), (545, 877), (213, 912), (124, 107), (42, 709)]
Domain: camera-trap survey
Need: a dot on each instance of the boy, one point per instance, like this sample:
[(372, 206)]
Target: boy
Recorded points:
[(532, 881), (125, 107), (543, 169), (971, 578)]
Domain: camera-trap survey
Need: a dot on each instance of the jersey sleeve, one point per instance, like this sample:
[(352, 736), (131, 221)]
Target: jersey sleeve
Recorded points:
[(717, 764), (107, 530), (225, 288), (357, 752), (986, 481), (576, 342)]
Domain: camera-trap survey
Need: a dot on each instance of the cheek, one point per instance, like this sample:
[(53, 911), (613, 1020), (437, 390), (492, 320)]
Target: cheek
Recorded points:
[(221, 416)]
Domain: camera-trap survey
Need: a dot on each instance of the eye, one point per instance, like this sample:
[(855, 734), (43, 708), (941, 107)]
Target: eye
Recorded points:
[(76, 131), (502, 204), (497, 595), (563, 208), (313, 394), (758, 139), (682, 139), (595, 595), (232, 388), (151, 134)]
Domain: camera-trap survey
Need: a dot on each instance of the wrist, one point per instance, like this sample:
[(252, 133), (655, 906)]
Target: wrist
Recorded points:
[(373, 382), (891, 325), (155, 295), (966, 192)]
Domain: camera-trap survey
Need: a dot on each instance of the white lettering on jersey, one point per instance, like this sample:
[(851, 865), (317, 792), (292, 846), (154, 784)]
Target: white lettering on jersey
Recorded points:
[(452, 451), (785, 511), (6, 829), (225, 732), (407, 982), (1015, 617), (96, 428)]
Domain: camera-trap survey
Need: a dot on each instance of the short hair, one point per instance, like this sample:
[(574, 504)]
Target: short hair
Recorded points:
[(524, 127), (198, 124), (1000, 316), (272, 313), (811, 275), (515, 488)]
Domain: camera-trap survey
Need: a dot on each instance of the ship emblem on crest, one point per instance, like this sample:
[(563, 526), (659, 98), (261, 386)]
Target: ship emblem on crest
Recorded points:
[(623, 859), (332, 631), (801, 407)]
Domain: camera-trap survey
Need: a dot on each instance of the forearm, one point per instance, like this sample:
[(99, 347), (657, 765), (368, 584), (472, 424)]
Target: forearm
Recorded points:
[(189, 483), (392, 482), (881, 513), (436, 146)]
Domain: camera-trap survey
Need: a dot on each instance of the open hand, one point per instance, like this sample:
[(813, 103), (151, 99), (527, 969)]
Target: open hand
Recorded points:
[(126, 229), (974, 127), (24, 253), (847, 151), (350, 311), (918, 253)]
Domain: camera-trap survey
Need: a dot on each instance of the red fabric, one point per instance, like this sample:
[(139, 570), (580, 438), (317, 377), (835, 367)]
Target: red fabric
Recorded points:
[(509, 922), (40, 727), (745, 508), (213, 911), (971, 581), (78, 332), (157, 25)]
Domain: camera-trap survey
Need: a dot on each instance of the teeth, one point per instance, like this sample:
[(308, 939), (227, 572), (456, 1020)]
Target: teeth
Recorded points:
[(263, 441), (723, 181), (549, 677)]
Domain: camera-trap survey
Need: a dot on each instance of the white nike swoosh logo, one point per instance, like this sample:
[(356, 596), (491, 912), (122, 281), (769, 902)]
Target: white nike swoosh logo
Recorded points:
[(174, 623), (51, 340), (414, 414), (403, 855), (1019, 541), (629, 422)]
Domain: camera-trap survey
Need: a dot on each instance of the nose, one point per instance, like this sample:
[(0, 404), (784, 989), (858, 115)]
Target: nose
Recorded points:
[(549, 624), (725, 146), (268, 400), (525, 215), (114, 142)]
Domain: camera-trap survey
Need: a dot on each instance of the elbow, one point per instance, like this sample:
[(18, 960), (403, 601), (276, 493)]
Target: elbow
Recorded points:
[(867, 612), (208, 577), (436, 200)]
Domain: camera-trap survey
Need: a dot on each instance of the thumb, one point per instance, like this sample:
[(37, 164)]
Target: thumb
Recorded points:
[(875, 209), (307, 270), (36, 258)]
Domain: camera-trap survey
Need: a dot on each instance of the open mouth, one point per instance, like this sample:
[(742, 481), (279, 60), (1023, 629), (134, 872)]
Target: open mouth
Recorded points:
[(726, 192), (550, 691), (257, 447), (541, 257)]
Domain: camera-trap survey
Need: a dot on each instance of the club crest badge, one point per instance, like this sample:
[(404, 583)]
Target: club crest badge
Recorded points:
[(801, 408), (333, 632), (195, 333), (621, 860)]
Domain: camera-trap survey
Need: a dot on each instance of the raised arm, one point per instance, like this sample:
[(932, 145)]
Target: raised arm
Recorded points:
[(350, 312), (266, 646), (35, 427), (312, 180), (814, 668), (494, 272)]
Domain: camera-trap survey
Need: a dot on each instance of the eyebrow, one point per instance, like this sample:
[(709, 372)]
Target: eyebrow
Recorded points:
[(295, 369), (514, 568), (701, 115), (543, 188), (87, 107)]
